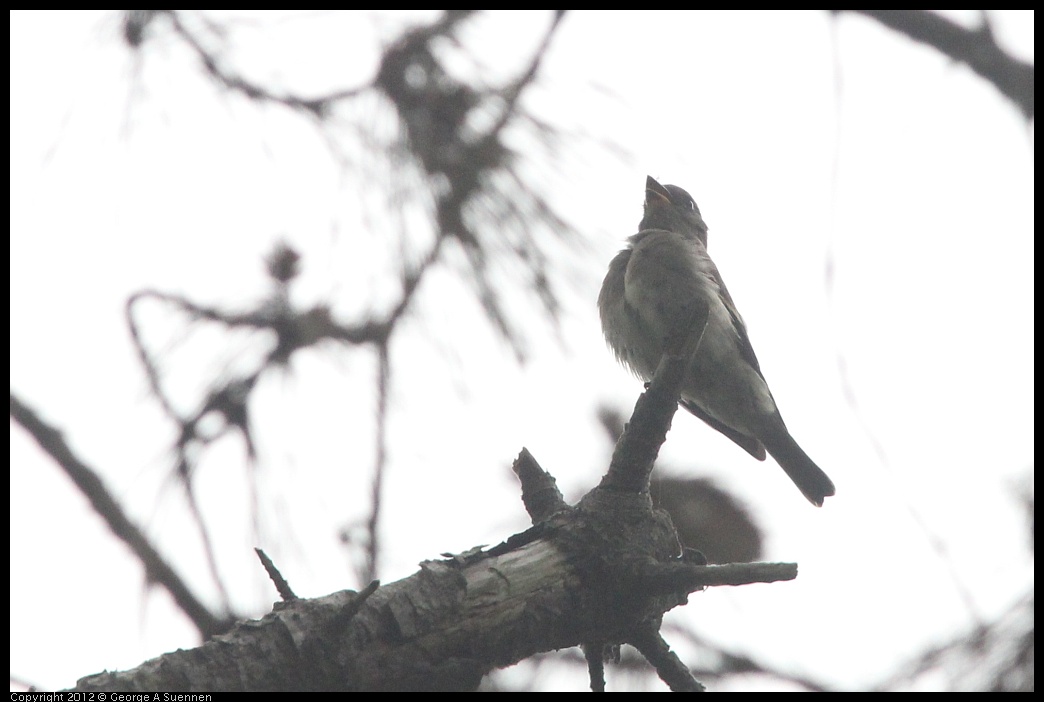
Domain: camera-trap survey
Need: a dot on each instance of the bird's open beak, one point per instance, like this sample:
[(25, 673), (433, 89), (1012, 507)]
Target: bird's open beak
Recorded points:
[(655, 194)]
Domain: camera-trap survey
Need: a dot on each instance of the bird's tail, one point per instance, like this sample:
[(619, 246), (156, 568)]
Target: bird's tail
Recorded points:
[(810, 479)]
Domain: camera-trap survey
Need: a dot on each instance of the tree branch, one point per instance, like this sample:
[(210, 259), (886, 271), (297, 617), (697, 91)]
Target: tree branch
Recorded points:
[(156, 568), (976, 48)]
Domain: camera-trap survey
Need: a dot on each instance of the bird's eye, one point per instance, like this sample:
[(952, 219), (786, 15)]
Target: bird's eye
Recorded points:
[(692, 205)]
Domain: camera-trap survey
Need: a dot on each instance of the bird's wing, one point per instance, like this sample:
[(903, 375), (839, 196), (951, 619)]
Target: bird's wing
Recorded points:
[(746, 350), (748, 443), (660, 256)]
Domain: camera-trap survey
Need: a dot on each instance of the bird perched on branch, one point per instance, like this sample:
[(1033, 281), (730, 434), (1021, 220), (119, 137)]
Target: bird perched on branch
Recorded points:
[(650, 291)]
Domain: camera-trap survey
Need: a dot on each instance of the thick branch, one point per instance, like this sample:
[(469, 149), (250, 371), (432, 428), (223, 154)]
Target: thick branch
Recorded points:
[(540, 493), (668, 666), (688, 577), (636, 451)]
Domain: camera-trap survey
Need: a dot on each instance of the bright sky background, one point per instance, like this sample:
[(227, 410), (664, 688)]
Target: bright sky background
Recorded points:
[(809, 143)]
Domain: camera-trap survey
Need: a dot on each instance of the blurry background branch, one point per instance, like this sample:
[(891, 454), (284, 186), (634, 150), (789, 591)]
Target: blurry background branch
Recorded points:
[(157, 569), (452, 160), (977, 48)]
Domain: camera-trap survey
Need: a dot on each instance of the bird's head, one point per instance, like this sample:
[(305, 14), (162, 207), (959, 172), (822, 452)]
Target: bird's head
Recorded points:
[(670, 207)]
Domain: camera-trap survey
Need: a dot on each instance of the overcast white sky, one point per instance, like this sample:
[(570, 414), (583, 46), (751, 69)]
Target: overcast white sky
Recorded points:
[(808, 143)]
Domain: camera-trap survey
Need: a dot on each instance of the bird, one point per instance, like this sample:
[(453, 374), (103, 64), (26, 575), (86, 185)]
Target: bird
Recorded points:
[(649, 292)]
